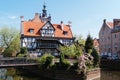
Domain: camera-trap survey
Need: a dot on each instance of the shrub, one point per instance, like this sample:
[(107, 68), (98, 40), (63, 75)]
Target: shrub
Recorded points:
[(95, 57), (75, 66), (45, 61), (65, 64), (23, 50), (20, 55)]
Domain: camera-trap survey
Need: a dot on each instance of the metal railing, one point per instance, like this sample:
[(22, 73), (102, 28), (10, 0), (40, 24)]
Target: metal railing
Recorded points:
[(8, 61)]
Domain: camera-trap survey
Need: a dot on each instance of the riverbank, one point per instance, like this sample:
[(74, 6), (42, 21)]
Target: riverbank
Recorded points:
[(66, 75), (94, 74)]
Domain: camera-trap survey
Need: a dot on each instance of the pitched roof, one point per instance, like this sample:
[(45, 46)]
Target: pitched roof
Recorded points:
[(110, 24), (59, 31), (27, 25)]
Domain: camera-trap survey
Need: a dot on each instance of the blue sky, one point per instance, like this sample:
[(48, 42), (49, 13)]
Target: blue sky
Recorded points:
[(86, 15)]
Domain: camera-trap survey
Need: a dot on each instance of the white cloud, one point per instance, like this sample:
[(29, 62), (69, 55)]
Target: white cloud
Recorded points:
[(9, 19), (12, 17)]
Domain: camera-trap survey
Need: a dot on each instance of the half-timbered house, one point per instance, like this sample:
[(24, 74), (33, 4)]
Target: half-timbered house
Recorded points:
[(41, 36)]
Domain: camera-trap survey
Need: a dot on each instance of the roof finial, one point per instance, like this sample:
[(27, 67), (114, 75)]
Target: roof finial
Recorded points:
[(44, 2), (44, 14), (44, 6)]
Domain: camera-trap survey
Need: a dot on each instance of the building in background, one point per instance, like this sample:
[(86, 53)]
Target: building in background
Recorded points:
[(41, 36), (96, 44), (109, 38)]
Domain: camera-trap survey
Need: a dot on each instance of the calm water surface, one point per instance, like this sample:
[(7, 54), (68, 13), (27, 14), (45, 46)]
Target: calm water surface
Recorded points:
[(109, 75), (15, 74)]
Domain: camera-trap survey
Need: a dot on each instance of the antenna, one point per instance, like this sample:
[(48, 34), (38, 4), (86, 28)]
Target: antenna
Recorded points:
[(44, 2)]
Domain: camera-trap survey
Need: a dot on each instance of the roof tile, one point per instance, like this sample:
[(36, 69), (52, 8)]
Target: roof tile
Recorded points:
[(38, 25)]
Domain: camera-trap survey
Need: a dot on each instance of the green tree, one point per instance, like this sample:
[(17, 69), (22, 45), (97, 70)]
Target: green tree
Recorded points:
[(89, 44), (10, 41), (14, 47), (75, 49), (79, 48), (23, 50), (7, 35), (95, 57), (68, 50), (45, 61), (80, 39)]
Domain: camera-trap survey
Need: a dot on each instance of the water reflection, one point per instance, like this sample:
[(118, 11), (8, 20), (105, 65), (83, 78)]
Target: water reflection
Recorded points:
[(15, 74), (3, 73), (110, 75)]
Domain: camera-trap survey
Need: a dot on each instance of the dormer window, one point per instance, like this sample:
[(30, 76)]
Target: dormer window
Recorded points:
[(31, 30), (65, 33)]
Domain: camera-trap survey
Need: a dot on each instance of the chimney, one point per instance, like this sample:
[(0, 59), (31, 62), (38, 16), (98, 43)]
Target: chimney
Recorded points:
[(21, 25), (36, 15), (22, 18), (62, 26), (116, 22)]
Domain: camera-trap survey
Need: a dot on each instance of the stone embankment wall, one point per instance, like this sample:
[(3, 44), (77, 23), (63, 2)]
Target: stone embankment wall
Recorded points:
[(93, 74), (65, 75)]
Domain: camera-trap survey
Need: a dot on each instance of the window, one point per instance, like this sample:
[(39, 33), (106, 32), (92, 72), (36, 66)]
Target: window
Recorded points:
[(109, 50), (108, 38), (47, 30), (115, 36), (31, 30), (102, 33), (65, 33), (115, 48), (66, 41)]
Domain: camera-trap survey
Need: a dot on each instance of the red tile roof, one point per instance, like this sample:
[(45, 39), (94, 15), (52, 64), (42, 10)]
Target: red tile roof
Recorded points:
[(27, 25), (59, 31), (110, 24)]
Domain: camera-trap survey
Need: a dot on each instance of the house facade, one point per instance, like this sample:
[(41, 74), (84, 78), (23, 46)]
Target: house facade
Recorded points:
[(109, 38), (41, 36), (96, 44)]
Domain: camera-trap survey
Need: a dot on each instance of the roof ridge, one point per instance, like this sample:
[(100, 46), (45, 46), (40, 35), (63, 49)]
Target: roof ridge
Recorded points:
[(109, 24)]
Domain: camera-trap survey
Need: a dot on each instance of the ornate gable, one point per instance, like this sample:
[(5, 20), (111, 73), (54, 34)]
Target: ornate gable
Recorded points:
[(47, 30)]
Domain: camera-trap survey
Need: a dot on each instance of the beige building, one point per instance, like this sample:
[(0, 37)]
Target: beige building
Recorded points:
[(109, 38), (96, 44), (116, 37), (105, 36)]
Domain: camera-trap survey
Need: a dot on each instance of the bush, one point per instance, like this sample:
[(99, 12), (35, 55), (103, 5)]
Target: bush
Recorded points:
[(95, 57), (65, 65), (46, 61), (20, 55), (75, 66), (23, 50)]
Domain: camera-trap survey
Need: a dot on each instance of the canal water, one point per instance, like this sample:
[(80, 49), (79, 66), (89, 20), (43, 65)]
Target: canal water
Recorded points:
[(109, 75), (18, 74)]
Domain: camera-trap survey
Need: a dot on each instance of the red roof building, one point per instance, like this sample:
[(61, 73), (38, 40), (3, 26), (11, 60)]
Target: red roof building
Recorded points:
[(96, 44), (41, 36)]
